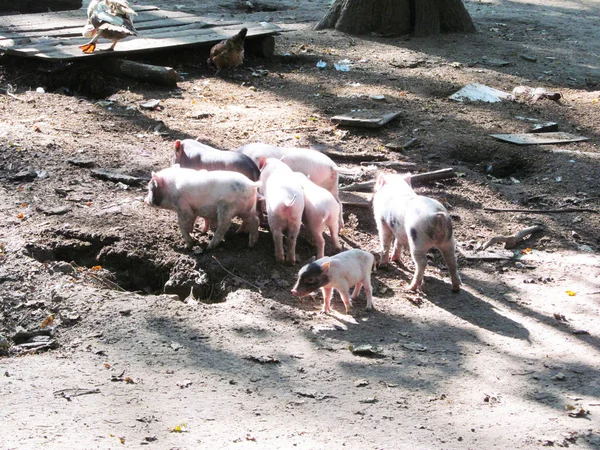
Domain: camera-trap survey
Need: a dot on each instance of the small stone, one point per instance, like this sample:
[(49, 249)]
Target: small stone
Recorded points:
[(63, 267), (361, 383), (559, 376)]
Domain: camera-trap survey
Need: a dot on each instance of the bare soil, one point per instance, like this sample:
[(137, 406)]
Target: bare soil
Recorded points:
[(513, 361)]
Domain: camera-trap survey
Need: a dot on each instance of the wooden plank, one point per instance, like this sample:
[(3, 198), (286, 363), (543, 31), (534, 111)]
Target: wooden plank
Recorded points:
[(538, 139), (55, 17), (142, 21), (365, 118), (67, 50), (148, 28)]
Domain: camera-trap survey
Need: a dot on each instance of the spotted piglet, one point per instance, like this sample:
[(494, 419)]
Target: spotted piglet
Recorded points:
[(340, 272), (414, 220)]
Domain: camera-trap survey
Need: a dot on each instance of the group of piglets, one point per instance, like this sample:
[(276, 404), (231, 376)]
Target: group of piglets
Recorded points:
[(294, 186)]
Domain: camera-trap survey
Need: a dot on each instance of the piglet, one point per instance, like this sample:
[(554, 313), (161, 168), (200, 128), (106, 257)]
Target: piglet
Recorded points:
[(340, 272), (321, 210), (317, 166), (284, 200), (196, 155), (216, 196), (414, 220)]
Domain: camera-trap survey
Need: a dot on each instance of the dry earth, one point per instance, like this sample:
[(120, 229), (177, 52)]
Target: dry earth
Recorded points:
[(248, 365)]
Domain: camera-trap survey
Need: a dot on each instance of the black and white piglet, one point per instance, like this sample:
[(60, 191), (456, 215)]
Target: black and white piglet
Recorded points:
[(415, 221), (340, 272)]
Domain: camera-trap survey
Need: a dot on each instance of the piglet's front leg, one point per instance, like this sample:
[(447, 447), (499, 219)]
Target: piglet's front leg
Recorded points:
[(186, 225)]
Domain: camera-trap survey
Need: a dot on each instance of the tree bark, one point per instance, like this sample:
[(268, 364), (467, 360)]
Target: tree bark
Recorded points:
[(397, 17)]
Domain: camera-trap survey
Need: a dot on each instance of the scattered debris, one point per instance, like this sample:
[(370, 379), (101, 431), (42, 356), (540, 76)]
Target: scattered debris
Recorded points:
[(150, 104), (528, 58), (476, 92), (263, 359), (539, 139), (542, 211), (365, 118), (130, 180), (365, 350), (369, 400), (184, 384), (511, 241), (75, 392), (492, 398), (361, 383), (414, 346), (560, 317), (534, 94), (544, 127), (321, 64), (79, 162), (56, 211), (577, 411)]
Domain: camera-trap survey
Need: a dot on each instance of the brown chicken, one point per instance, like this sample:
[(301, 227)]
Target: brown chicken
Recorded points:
[(228, 53)]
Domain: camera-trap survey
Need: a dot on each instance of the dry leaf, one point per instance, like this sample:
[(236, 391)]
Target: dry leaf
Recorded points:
[(20, 215), (181, 428), (571, 293), (47, 321), (95, 268)]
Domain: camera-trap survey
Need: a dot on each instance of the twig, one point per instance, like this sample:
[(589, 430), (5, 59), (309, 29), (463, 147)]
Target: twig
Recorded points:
[(108, 283), (10, 94), (365, 186), (511, 241), (590, 293), (71, 131), (415, 180), (395, 165), (354, 157), (236, 276), (76, 392), (542, 211), (299, 127)]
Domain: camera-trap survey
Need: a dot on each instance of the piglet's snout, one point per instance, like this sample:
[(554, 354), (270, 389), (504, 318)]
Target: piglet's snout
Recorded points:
[(294, 291)]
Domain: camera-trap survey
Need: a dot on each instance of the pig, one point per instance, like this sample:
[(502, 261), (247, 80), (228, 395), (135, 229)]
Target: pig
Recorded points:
[(340, 272), (284, 201), (414, 220), (318, 167), (196, 155), (216, 196), (321, 210)]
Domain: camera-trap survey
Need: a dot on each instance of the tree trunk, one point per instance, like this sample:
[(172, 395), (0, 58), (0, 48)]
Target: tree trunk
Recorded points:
[(397, 17)]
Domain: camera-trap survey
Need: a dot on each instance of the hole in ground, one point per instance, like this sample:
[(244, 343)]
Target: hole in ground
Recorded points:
[(131, 269)]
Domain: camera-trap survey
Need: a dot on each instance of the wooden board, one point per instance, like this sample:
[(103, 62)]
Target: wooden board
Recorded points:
[(539, 138), (365, 118), (57, 35)]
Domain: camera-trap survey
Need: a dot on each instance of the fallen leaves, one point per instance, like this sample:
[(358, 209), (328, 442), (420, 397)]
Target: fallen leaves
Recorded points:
[(47, 321), (181, 428), (571, 293)]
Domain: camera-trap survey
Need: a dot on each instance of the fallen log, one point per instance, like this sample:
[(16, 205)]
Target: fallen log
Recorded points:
[(416, 180), (354, 157), (395, 165), (164, 76), (511, 241)]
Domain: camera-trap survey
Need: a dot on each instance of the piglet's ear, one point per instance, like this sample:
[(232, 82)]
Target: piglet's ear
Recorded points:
[(178, 147), (406, 177), (325, 266), (380, 182), (262, 162)]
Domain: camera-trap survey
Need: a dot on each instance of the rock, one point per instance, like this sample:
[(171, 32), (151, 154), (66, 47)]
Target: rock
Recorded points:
[(79, 162), (25, 175), (415, 346), (4, 345), (559, 376), (56, 211), (62, 267)]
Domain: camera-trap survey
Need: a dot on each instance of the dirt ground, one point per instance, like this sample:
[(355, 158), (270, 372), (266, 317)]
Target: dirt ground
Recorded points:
[(513, 361)]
